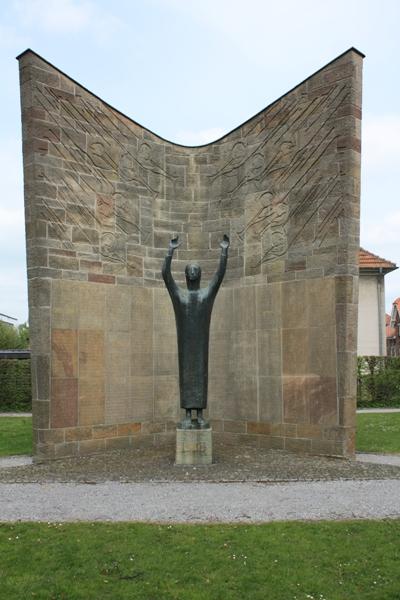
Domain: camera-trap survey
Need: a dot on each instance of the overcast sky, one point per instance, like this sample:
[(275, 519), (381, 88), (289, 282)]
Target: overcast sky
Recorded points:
[(192, 70)]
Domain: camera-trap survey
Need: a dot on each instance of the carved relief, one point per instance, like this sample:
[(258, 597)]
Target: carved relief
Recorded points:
[(127, 214), (129, 172), (105, 209), (267, 218), (100, 157), (228, 170), (112, 248), (273, 166), (289, 175), (146, 160), (274, 242), (328, 224)]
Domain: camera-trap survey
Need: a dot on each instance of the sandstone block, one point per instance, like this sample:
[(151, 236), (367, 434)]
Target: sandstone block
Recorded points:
[(193, 447)]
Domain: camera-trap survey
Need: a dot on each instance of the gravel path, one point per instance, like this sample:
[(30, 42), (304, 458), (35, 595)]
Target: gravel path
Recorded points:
[(200, 502), (232, 464), (245, 484), (26, 460)]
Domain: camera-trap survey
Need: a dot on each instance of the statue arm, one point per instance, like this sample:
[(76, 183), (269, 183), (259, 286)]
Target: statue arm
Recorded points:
[(219, 275), (166, 268)]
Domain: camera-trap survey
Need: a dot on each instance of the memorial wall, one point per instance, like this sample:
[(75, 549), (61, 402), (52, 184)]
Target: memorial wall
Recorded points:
[(104, 195)]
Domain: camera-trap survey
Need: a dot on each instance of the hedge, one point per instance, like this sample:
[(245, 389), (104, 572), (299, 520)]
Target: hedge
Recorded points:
[(378, 381), (15, 385)]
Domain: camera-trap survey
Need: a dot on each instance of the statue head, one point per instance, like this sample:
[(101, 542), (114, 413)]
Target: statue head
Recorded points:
[(193, 276)]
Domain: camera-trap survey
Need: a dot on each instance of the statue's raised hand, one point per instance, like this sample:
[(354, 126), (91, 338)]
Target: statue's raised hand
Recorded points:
[(225, 243), (174, 243)]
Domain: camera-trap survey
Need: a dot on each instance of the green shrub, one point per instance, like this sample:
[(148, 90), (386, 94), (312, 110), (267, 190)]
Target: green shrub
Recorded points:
[(378, 381), (14, 338), (15, 385)]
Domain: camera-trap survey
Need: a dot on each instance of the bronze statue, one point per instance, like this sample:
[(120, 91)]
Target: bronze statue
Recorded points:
[(193, 315)]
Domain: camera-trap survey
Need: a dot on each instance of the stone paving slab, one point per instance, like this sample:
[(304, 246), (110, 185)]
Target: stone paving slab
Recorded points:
[(200, 502), (15, 414), (378, 410), (382, 459), (15, 461)]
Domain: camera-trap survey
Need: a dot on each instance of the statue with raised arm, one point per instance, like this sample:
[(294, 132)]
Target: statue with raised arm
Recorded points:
[(193, 308)]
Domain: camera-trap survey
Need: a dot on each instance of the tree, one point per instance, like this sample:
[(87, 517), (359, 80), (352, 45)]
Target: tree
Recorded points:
[(23, 335), (14, 338)]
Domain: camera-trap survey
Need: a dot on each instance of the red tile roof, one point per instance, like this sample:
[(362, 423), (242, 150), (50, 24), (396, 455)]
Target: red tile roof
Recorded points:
[(368, 260)]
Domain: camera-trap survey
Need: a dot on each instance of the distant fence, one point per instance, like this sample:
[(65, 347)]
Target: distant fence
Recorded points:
[(15, 381), (378, 381)]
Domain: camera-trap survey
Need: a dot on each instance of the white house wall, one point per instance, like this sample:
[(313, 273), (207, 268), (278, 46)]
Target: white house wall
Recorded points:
[(371, 316)]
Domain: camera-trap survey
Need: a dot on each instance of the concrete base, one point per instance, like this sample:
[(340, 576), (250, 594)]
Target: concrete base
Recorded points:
[(193, 446)]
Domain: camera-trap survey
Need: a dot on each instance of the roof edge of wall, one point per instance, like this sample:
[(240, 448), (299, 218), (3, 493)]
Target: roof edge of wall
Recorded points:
[(30, 51)]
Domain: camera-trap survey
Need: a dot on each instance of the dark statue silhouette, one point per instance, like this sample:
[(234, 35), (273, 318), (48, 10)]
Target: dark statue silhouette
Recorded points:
[(193, 315)]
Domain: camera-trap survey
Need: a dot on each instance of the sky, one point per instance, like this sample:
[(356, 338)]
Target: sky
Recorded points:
[(191, 71)]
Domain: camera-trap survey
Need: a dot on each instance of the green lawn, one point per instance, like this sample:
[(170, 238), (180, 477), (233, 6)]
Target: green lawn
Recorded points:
[(378, 432), (15, 435), (277, 561)]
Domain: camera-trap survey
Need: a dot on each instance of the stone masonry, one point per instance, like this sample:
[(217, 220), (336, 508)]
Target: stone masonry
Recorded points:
[(103, 195)]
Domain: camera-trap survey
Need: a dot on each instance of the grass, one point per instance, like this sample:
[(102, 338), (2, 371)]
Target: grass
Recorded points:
[(15, 435), (278, 561), (378, 432)]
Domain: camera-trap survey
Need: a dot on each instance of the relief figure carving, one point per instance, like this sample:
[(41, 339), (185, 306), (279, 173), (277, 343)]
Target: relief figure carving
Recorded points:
[(127, 214), (129, 171), (100, 157), (266, 224), (146, 160), (111, 248), (236, 159), (104, 209)]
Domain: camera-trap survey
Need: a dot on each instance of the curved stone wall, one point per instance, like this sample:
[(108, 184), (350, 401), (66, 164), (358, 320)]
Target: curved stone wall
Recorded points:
[(103, 197)]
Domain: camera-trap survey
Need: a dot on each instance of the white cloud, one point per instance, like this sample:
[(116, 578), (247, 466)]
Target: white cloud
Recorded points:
[(198, 138), (381, 142), (66, 16)]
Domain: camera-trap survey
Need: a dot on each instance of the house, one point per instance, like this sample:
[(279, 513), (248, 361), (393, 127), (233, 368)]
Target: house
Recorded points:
[(371, 303), (7, 320), (393, 330)]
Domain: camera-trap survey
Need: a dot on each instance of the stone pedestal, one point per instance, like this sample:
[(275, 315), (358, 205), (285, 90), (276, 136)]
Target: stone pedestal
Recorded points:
[(193, 446)]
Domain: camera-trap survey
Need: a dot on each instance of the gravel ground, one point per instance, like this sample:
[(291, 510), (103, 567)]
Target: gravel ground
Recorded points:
[(231, 465), (200, 502), (244, 485)]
